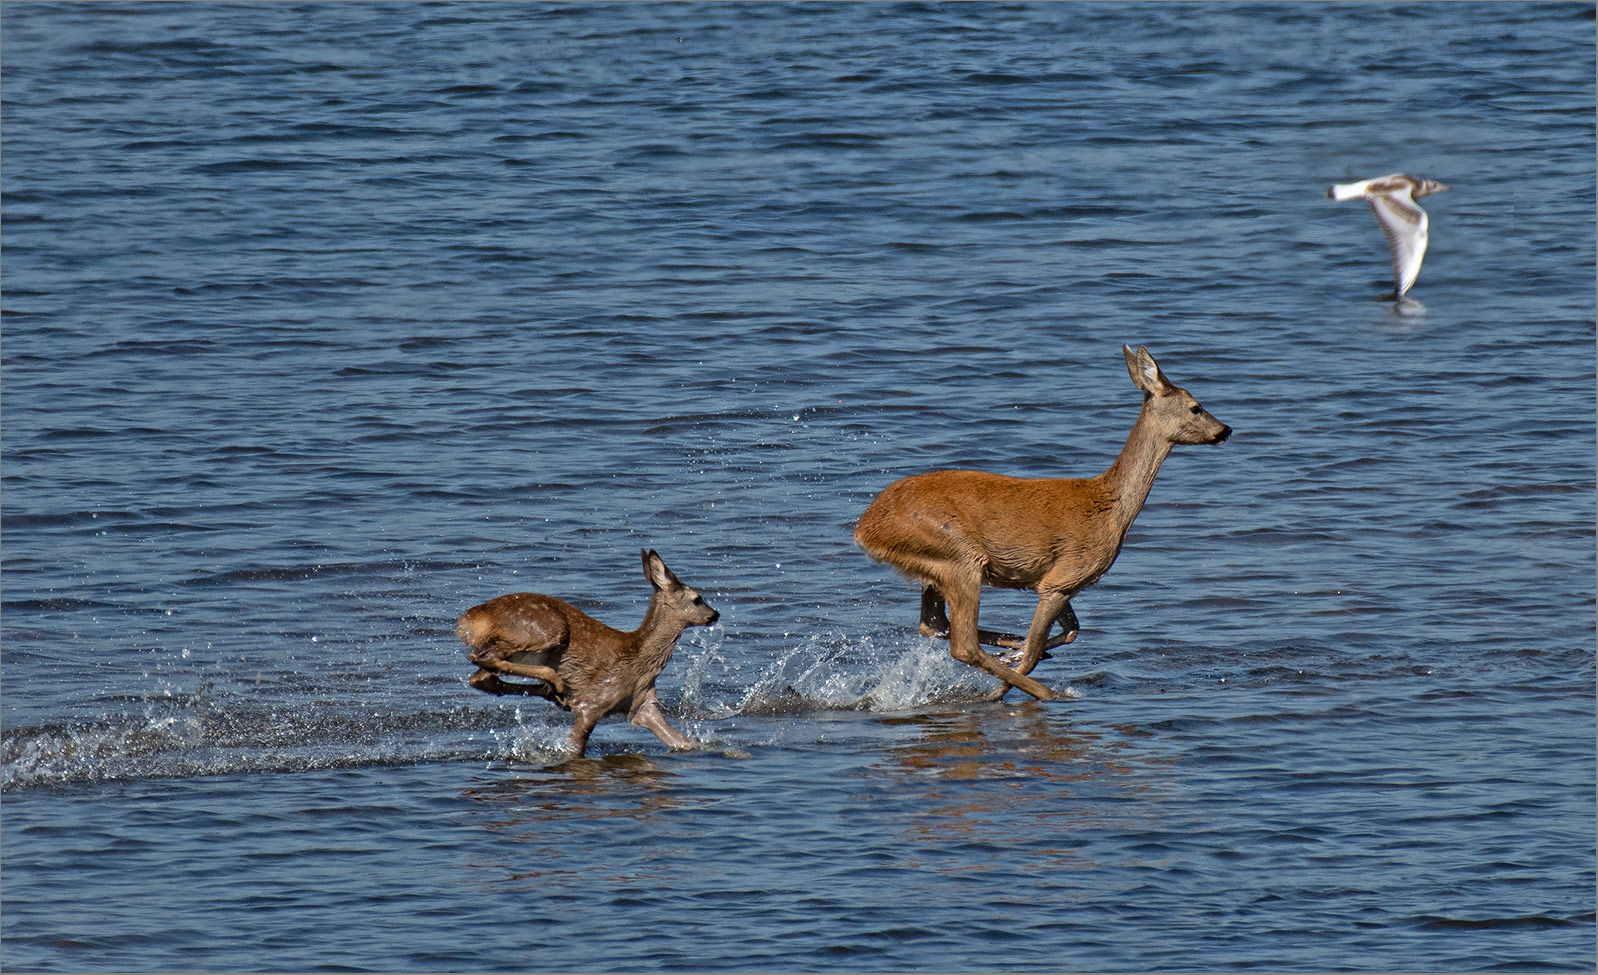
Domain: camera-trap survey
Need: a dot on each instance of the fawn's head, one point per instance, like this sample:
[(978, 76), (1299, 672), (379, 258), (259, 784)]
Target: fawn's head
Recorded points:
[(679, 599), (1179, 416)]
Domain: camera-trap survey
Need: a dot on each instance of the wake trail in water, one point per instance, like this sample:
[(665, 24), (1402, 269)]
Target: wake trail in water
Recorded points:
[(228, 730)]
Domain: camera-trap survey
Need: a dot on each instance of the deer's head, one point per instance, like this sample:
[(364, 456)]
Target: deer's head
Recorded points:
[(680, 600), (1179, 416)]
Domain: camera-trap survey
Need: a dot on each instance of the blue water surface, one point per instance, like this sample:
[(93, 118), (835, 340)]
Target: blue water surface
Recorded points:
[(324, 322)]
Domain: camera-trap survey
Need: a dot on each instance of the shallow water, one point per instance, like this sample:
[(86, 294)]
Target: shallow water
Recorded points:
[(323, 323)]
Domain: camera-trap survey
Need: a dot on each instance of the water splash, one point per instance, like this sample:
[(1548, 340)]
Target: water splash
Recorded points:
[(829, 671)]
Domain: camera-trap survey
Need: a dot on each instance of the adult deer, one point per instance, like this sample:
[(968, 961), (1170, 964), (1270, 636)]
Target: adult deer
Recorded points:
[(581, 664), (954, 531)]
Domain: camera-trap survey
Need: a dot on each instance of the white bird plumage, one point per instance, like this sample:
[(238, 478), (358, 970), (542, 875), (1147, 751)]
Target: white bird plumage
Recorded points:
[(1392, 199)]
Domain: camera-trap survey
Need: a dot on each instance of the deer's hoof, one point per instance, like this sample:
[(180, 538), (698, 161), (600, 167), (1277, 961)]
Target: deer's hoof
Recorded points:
[(1050, 695)]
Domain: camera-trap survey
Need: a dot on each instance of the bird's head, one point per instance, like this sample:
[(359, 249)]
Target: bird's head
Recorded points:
[(1426, 187)]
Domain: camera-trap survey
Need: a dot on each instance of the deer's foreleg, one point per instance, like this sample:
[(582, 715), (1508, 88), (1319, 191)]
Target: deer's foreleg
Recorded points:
[(583, 721), (1053, 607), (648, 715), (1069, 628)]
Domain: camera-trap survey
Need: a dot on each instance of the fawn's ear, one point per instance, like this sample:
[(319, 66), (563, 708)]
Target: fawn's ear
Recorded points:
[(656, 572), (1145, 372)]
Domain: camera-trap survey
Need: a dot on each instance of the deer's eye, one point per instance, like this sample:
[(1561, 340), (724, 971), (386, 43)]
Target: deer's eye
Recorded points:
[(1195, 409)]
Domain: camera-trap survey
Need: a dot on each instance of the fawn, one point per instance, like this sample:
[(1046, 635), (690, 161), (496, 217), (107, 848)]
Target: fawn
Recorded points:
[(955, 531), (584, 666)]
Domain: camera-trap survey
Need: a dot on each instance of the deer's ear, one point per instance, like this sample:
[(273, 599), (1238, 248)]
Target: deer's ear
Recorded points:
[(656, 572), (1145, 371)]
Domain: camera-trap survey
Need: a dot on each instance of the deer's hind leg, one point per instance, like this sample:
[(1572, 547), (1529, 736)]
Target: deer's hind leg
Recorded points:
[(520, 635), (934, 613), (491, 663), (487, 681)]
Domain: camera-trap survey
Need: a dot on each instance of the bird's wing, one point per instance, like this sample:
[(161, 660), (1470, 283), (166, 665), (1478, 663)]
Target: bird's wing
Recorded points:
[(1405, 224), (1347, 191)]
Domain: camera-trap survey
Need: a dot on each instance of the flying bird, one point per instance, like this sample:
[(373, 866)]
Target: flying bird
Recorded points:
[(1392, 199)]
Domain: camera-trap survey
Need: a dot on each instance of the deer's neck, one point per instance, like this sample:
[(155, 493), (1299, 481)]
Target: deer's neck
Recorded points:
[(656, 636), (1131, 475)]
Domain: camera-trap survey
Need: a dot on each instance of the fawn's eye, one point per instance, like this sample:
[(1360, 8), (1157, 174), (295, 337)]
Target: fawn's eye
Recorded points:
[(698, 600), (1195, 409)]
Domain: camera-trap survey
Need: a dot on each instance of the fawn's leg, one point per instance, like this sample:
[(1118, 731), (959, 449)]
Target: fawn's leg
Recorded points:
[(583, 721), (547, 674), (489, 682), (648, 715), (499, 665)]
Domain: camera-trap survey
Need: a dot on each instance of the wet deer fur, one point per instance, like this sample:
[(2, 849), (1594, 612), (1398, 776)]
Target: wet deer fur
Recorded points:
[(584, 666), (956, 531)]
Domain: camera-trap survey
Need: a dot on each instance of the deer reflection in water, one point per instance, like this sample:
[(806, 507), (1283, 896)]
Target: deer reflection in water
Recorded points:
[(539, 818), (1020, 779)]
